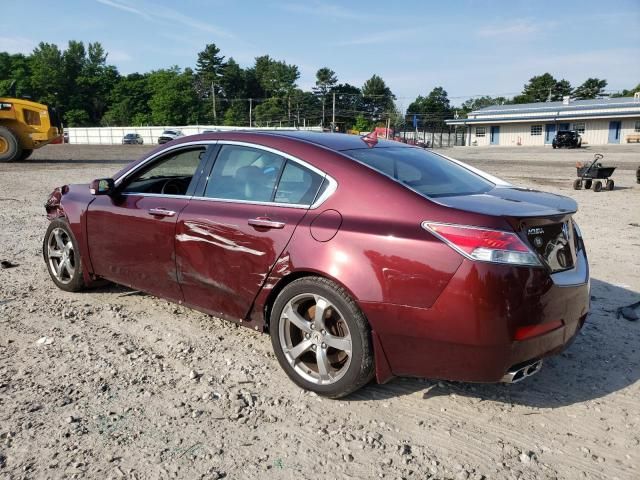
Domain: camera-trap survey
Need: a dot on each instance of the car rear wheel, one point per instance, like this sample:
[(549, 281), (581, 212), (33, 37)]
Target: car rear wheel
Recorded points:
[(321, 338), (61, 254)]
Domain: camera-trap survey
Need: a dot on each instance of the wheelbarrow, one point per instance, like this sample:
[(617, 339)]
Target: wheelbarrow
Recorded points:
[(593, 175)]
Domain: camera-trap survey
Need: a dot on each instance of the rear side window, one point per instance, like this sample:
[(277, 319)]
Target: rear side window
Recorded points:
[(243, 173), (298, 185), (424, 172)]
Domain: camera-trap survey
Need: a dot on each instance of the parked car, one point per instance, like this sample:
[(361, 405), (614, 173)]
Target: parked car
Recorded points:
[(169, 135), (360, 257), (132, 139), (568, 139)]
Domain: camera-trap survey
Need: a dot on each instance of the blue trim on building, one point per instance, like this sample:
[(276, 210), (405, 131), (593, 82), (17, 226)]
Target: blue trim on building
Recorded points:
[(555, 118)]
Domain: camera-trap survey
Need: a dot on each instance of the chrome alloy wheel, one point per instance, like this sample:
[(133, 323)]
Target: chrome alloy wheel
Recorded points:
[(315, 339), (61, 256)]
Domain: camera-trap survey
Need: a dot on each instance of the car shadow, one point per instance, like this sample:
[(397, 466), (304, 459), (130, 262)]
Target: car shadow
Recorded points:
[(603, 359)]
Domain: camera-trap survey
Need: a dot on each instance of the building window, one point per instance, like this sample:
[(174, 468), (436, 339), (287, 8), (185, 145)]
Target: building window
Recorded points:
[(637, 129), (480, 131), (536, 130), (579, 127)]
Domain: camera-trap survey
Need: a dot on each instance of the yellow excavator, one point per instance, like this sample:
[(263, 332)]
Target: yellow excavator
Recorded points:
[(25, 126)]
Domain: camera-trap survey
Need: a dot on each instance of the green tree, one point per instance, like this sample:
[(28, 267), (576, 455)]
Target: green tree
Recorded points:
[(233, 80), (236, 113), (209, 70), (173, 98), (543, 88), (362, 124), (348, 105), (591, 88), (627, 93), (271, 112), (96, 82), (432, 110), (15, 70), (129, 102), (325, 80), (47, 75), (482, 102), (377, 99)]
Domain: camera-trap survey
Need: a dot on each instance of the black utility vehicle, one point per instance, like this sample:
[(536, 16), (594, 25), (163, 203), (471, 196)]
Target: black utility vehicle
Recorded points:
[(568, 139)]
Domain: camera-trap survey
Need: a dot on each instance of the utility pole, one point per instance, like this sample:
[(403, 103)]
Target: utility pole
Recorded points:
[(333, 114), (213, 96), (250, 111)]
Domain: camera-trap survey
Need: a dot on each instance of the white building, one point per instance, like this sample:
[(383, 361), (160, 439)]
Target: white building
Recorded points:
[(599, 121)]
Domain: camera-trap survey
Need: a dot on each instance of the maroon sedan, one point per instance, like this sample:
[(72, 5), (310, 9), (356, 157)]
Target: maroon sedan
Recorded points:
[(360, 257)]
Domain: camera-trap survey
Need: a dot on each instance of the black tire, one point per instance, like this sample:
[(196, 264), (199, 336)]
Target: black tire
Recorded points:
[(360, 369), (554, 146), (587, 184), (10, 149), (610, 185), (72, 281), (577, 184), (597, 186), (26, 153)]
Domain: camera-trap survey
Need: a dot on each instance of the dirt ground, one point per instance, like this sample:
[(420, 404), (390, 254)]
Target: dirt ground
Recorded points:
[(114, 384)]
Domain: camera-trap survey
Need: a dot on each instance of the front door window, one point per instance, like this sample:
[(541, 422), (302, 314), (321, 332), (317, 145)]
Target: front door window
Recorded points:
[(171, 175)]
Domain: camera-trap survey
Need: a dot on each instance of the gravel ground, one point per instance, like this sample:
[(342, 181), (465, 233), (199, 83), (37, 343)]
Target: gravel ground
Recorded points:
[(114, 384)]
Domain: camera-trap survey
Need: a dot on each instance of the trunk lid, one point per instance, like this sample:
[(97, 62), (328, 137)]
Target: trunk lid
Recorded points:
[(511, 202), (542, 220)]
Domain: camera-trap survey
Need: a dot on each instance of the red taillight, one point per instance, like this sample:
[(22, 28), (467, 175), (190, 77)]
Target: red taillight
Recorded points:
[(484, 244)]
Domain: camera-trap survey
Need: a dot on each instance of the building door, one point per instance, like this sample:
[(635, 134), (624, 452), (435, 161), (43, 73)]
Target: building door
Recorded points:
[(549, 133), (495, 135), (614, 131)]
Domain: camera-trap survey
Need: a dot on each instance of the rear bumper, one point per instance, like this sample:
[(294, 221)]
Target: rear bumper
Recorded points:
[(469, 333)]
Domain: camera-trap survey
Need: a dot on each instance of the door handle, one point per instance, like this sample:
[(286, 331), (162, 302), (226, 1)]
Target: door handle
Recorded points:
[(265, 223), (161, 212)]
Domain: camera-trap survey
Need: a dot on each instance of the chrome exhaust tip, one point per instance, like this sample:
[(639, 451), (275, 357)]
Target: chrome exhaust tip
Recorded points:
[(520, 373)]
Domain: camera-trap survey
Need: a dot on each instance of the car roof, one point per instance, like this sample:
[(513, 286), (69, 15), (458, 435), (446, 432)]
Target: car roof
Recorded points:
[(333, 141)]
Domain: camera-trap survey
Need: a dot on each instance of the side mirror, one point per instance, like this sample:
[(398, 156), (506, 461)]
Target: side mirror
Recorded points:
[(102, 186)]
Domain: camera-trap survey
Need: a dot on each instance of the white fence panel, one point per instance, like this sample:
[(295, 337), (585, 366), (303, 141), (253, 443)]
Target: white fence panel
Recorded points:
[(114, 135)]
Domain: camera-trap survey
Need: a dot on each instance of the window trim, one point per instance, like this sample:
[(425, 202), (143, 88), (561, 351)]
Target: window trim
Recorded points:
[(538, 130), (332, 187), (192, 185), (188, 145), (484, 132), (330, 190)]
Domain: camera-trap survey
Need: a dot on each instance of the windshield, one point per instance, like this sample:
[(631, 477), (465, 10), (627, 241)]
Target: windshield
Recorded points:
[(422, 171)]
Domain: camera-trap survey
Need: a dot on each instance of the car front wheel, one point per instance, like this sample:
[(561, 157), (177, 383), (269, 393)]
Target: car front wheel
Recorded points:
[(321, 338), (61, 254)]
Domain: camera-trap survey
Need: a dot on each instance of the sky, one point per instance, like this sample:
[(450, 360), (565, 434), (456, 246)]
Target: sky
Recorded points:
[(471, 47)]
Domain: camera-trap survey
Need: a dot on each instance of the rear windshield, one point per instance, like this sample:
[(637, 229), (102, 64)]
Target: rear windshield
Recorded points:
[(422, 171)]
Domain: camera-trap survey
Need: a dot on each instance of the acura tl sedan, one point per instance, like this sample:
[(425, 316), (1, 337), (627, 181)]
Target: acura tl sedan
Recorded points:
[(360, 257)]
